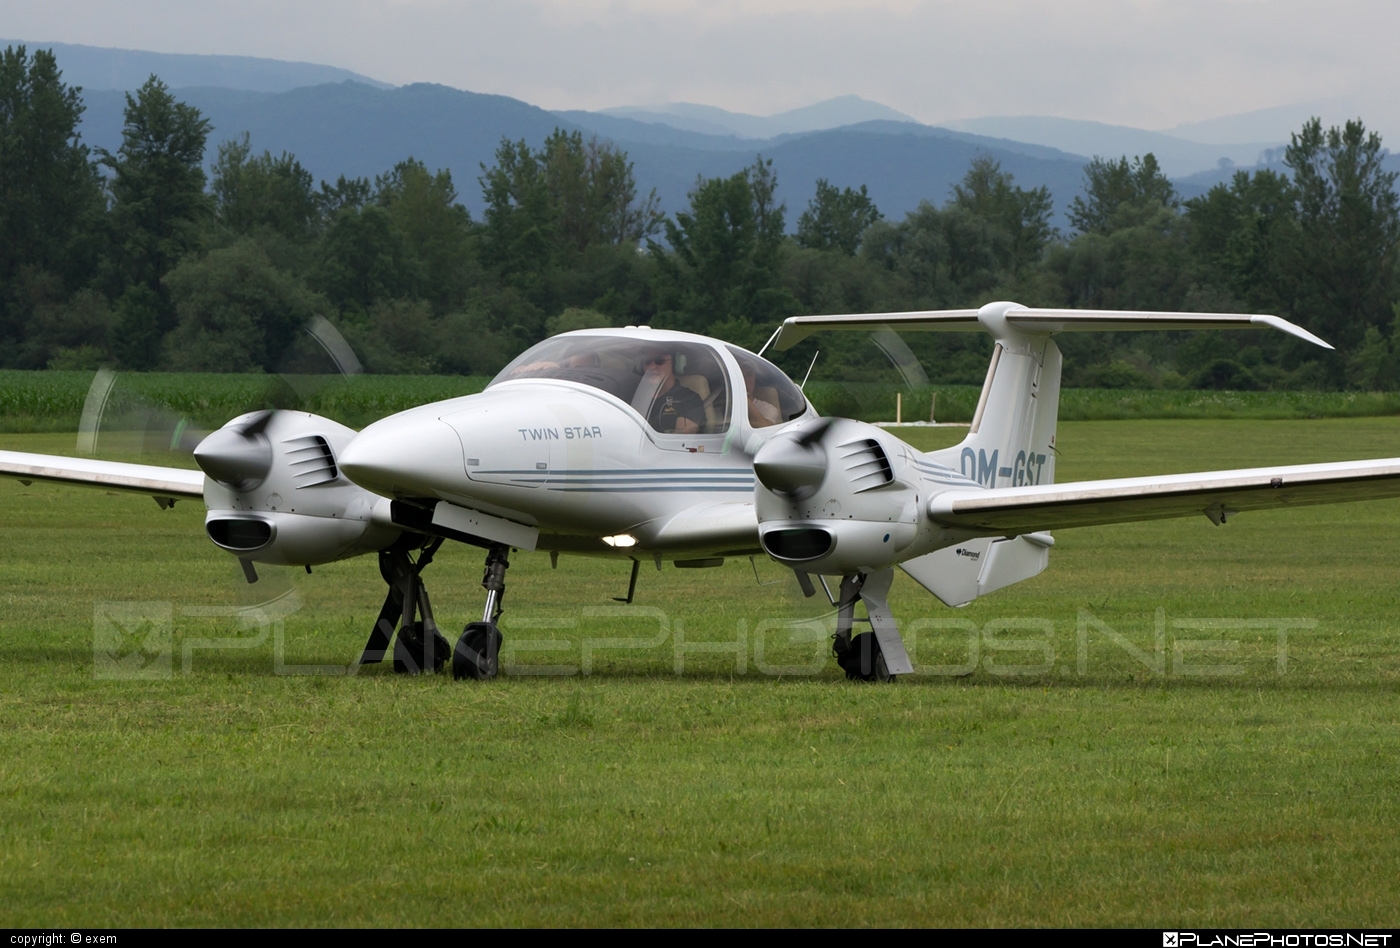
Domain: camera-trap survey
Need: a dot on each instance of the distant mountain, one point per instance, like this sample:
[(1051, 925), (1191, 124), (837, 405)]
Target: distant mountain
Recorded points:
[(689, 123), (632, 130), (1194, 184), (619, 128), (709, 120), (903, 167), (1275, 124), (94, 67), (900, 165), (1379, 110), (352, 129), (1203, 181), (985, 142), (1177, 156)]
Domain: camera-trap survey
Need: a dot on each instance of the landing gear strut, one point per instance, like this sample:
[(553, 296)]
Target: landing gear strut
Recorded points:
[(877, 655), (478, 650), (420, 647), (859, 656)]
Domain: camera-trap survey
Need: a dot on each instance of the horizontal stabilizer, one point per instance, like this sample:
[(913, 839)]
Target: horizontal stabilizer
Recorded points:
[(170, 482), (1216, 494), (959, 574), (796, 328)]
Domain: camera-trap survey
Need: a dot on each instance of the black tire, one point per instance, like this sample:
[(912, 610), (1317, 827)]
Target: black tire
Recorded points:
[(863, 660), (412, 655), (477, 652)]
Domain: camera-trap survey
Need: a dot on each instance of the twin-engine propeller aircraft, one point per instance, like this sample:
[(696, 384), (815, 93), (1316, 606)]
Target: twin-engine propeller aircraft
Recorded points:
[(644, 444)]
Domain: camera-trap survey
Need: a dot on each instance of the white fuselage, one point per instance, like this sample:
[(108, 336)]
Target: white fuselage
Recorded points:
[(583, 459), (561, 457)]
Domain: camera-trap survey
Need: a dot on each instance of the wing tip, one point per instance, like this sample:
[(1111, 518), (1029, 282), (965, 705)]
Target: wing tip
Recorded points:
[(1293, 329)]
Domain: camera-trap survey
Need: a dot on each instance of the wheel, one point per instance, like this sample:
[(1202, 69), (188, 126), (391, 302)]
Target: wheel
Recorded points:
[(862, 659), (412, 654), (477, 652)]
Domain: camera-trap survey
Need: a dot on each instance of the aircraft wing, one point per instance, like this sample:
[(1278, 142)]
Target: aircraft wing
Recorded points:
[(1216, 494), (170, 482)]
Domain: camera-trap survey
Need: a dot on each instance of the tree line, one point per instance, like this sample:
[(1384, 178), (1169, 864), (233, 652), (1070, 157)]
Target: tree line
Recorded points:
[(147, 259)]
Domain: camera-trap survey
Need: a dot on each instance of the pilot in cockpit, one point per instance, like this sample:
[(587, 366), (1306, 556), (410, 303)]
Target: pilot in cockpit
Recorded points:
[(674, 408)]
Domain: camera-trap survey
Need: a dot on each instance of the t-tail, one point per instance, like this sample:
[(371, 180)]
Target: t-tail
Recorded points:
[(1011, 441)]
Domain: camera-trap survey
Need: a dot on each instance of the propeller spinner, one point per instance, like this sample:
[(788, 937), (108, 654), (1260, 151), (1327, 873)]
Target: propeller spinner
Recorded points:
[(238, 456), (793, 465)]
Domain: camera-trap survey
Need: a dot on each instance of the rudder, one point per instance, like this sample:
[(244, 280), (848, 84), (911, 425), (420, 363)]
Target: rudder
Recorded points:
[(1011, 442)]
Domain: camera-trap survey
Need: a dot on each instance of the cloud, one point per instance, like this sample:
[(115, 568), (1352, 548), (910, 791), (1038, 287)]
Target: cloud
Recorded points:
[(1150, 63)]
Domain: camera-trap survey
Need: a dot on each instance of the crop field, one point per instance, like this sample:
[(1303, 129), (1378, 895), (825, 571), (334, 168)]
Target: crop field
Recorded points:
[(1175, 725), (53, 401)]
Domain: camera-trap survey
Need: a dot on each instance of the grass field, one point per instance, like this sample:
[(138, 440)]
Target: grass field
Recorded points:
[(1051, 764)]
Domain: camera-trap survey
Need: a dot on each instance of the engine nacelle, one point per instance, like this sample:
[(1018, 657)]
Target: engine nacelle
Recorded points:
[(279, 496), (847, 499)]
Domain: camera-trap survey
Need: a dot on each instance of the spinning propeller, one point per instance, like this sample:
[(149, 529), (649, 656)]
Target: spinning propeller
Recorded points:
[(120, 420)]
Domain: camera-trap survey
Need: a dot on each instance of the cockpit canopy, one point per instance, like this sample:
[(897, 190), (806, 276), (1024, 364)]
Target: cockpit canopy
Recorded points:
[(772, 397), (678, 386)]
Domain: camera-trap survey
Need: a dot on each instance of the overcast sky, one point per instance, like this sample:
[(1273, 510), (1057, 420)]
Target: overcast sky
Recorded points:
[(1147, 63)]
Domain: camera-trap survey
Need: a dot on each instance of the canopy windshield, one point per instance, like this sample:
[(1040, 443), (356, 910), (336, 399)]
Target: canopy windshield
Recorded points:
[(772, 397), (644, 373)]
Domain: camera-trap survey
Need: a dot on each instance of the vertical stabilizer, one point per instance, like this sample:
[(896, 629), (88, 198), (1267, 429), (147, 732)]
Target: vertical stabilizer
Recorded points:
[(1012, 439)]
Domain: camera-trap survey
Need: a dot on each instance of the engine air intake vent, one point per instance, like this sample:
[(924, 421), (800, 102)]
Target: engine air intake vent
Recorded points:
[(802, 543), (866, 464), (239, 534), (311, 461)]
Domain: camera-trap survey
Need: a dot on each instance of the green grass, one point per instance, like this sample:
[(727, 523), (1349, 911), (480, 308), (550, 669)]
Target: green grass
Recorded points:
[(634, 795)]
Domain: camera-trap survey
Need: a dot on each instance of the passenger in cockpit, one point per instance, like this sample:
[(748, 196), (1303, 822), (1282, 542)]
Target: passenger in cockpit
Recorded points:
[(762, 413)]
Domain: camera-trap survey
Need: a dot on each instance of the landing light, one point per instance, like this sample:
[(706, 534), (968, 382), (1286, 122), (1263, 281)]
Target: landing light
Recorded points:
[(621, 541)]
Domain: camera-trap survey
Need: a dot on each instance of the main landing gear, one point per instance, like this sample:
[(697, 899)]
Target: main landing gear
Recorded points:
[(420, 647), (478, 650)]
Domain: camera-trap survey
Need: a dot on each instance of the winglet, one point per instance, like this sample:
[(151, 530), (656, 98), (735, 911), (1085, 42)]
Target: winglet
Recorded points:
[(1283, 325)]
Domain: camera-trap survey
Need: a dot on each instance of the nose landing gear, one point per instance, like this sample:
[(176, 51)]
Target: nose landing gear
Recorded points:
[(877, 655), (478, 650), (858, 655)]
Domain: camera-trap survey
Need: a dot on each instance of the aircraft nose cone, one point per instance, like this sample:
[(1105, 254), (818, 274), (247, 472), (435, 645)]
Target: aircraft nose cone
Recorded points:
[(786, 467), (235, 458), (405, 457)]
